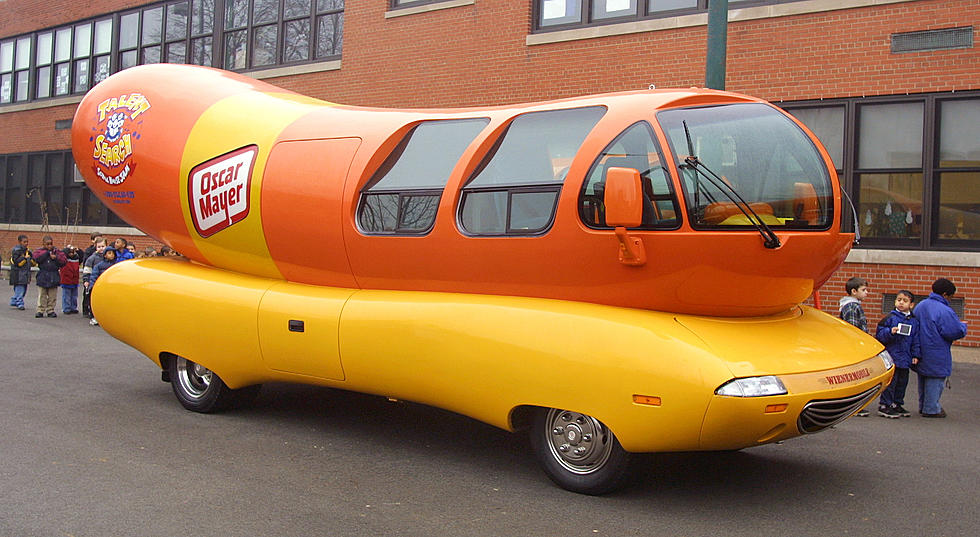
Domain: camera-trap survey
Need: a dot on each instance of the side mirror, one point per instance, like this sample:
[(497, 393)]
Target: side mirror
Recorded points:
[(623, 197)]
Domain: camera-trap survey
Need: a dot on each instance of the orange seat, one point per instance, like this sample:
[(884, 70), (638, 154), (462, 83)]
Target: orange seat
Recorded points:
[(720, 211)]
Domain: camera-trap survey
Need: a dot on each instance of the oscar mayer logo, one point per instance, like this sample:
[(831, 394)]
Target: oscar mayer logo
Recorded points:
[(218, 190)]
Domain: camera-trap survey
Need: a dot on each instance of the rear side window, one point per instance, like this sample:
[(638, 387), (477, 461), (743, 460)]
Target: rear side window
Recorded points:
[(515, 190), (403, 196), (635, 148)]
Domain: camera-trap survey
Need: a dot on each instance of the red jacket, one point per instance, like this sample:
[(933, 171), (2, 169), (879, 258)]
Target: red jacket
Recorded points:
[(69, 273)]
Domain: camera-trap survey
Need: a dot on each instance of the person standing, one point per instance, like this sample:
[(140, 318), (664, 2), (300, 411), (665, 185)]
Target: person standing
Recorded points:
[(899, 333), (69, 281), (49, 262), (21, 261), (87, 268), (939, 327), (852, 312)]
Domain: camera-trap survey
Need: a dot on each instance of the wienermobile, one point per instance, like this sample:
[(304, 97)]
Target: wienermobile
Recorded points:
[(617, 273)]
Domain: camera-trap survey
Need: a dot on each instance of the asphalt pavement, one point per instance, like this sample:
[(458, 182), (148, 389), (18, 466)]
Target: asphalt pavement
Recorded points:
[(92, 443)]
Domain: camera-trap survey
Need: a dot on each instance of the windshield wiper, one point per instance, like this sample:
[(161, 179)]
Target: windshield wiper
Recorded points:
[(769, 238)]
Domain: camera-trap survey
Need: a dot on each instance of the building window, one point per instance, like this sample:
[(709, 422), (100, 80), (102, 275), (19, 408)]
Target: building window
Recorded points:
[(41, 188), (564, 14), (888, 173), (245, 34), (403, 195), (515, 189), (959, 171), (912, 165)]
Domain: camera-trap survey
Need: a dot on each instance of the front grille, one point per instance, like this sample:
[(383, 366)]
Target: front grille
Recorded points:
[(822, 413)]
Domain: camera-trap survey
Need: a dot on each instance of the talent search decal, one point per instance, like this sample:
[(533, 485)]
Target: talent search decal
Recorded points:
[(218, 190), (119, 119)]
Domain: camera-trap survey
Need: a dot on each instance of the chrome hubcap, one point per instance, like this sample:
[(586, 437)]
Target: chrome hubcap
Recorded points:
[(194, 378), (580, 443)]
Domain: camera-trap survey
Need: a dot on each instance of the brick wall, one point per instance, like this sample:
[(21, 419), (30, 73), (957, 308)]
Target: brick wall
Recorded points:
[(8, 239), (476, 55), (916, 278)]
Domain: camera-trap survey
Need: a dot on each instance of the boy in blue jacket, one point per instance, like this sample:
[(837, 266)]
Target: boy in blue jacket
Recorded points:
[(939, 327), (899, 332)]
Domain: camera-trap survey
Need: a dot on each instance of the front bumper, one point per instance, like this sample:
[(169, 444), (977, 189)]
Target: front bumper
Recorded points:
[(815, 401)]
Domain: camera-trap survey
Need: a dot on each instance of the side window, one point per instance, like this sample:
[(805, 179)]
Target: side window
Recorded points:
[(515, 190), (635, 148), (403, 195)]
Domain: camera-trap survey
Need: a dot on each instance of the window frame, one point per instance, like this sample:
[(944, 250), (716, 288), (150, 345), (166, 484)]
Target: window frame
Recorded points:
[(510, 189), (679, 211), (426, 189)]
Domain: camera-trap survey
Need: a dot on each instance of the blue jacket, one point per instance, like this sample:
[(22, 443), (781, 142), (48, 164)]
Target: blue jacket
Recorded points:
[(99, 268), (902, 348), (939, 327)]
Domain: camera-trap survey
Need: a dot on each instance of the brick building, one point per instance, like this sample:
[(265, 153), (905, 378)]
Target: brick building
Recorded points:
[(892, 87)]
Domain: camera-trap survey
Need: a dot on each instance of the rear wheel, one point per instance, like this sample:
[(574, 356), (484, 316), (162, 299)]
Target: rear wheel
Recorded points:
[(202, 390), (578, 452)]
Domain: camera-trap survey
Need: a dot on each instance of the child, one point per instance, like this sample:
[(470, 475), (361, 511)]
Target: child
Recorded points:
[(21, 261), (851, 311), (899, 332), (93, 259), (69, 281), (850, 305), (49, 262), (109, 259)]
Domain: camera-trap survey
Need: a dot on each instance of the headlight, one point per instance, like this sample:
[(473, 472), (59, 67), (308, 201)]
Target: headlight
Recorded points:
[(887, 358), (752, 387)]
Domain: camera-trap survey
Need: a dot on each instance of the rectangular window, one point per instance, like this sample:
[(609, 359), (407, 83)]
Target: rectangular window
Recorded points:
[(177, 21), (890, 136), (265, 45), (201, 51), (152, 26), (45, 47), (558, 12), (608, 9), (659, 6), (83, 40), (129, 25), (103, 36), (296, 45), (43, 82), (202, 17), (235, 49), (890, 205)]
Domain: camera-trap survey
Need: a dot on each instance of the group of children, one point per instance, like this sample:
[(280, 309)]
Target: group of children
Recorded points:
[(68, 268), (919, 340)]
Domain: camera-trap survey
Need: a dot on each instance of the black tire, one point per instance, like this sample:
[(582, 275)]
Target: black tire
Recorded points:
[(578, 452), (201, 390)]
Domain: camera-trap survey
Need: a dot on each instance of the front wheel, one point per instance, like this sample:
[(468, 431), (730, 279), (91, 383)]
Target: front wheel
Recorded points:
[(578, 452), (202, 390)]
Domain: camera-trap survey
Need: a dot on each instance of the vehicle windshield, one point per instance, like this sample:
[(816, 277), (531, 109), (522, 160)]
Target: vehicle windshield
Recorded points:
[(759, 153)]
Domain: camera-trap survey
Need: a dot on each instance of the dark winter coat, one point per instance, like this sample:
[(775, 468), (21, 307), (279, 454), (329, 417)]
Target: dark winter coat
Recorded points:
[(901, 348), (49, 263), (101, 267), (21, 262), (939, 327)]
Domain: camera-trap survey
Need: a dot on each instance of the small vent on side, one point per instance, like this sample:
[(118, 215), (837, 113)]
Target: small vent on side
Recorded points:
[(944, 39)]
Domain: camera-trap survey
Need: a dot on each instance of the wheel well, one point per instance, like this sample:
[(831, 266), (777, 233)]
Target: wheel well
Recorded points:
[(520, 417), (165, 358)]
